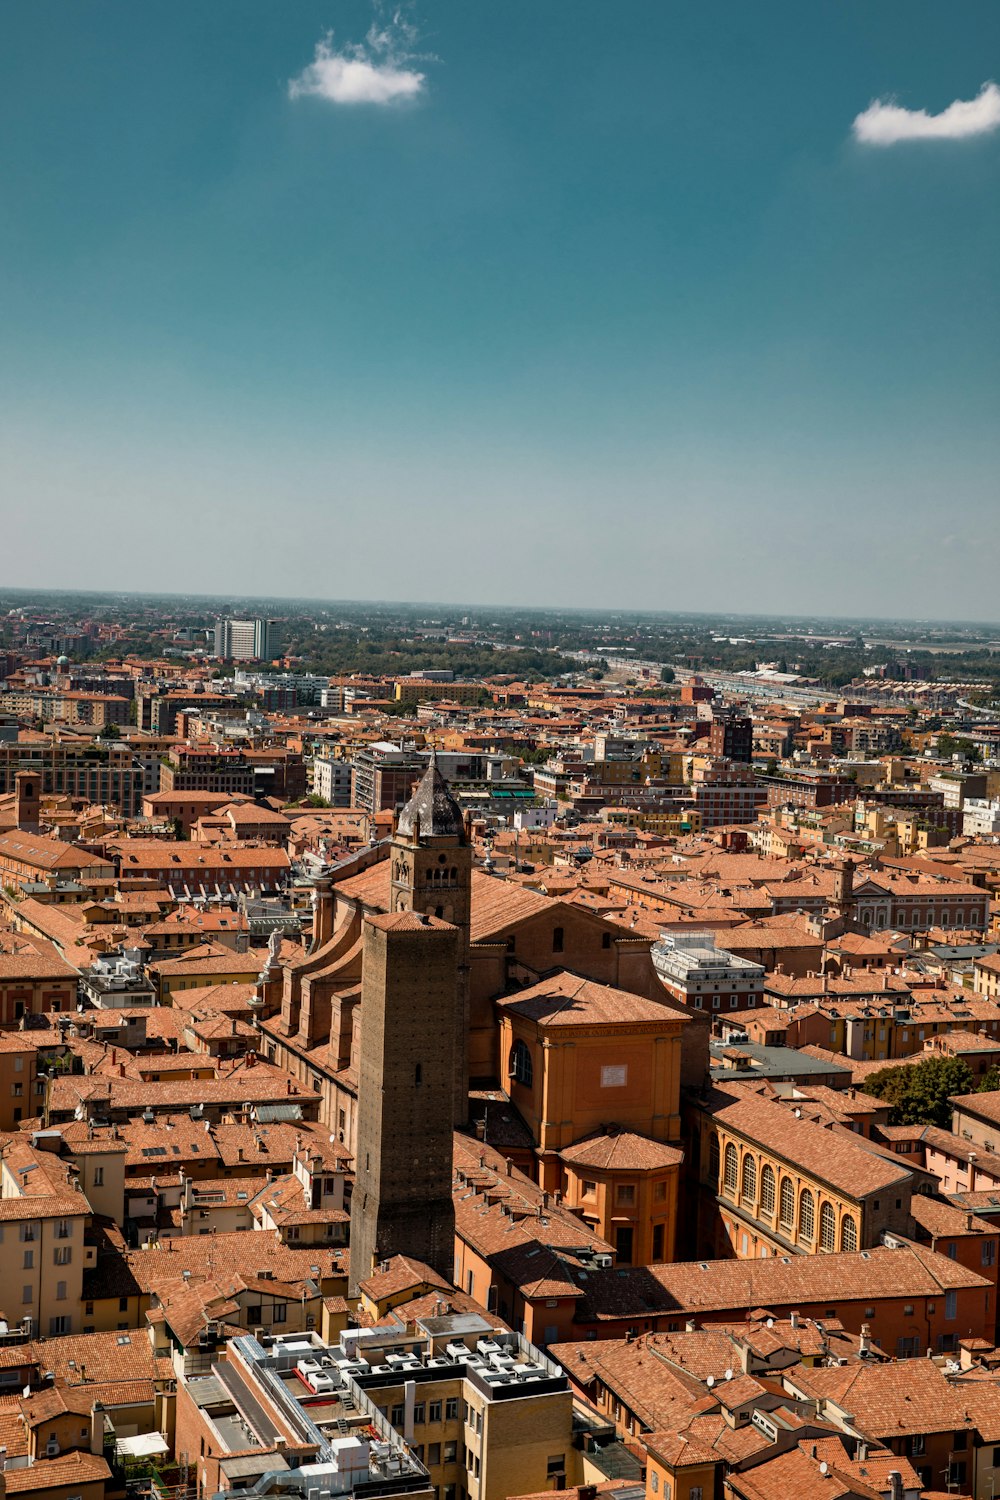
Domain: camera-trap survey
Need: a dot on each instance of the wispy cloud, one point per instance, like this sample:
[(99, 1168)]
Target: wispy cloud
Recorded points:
[(884, 123), (378, 70)]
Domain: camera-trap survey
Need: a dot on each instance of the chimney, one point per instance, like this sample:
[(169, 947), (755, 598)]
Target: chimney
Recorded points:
[(793, 1318), (96, 1422), (895, 1485)]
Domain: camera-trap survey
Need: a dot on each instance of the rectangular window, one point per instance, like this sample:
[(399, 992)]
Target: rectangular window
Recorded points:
[(398, 1414), (418, 1412), (62, 1255), (433, 1454), (951, 1305), (625, 1193), (451, 1408), (434, 1412), (988, 1252), (98, 1176), (29, 1260), (450, 1452)]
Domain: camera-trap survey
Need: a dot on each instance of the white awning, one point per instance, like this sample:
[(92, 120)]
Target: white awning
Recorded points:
[(145, 1445)]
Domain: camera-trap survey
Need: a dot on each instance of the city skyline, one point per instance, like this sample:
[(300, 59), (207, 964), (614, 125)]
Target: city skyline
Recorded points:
[(678, 308)]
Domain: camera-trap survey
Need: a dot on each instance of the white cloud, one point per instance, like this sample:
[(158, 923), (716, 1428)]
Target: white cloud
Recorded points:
[(884, 123), (376, 71)]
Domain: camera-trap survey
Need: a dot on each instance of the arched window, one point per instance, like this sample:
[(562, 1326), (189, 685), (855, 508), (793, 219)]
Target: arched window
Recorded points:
[(731, 1168), (807, 1215), (713, 1161), (787, 1215), (520, 1066), (749, 1177), (849, 1233), (557, 940), (827, 1227), (767, 1190)]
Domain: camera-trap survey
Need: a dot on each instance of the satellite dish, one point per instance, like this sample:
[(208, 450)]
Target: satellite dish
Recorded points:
[(729, 1374), (710, 1381)]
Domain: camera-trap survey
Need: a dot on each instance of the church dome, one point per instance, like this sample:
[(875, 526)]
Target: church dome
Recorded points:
[(432, 809)]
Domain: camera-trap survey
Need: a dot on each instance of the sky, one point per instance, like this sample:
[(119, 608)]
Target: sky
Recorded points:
[(648, 304)]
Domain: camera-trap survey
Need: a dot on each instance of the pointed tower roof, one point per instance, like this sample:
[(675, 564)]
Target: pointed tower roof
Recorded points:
[(433, 809)]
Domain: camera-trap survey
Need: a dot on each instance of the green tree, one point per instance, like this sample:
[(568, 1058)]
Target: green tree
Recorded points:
[(919, 1093), (990, 1081), (666, 674)]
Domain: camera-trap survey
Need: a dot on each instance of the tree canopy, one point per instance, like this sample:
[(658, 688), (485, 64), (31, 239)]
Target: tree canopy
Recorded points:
[(919, 1092)]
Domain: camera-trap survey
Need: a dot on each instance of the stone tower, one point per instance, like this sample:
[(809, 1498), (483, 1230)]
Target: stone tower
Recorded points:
[(402, 1201), (432, 873)]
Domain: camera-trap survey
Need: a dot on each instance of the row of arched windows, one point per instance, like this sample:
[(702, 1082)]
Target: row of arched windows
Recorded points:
[(793, 1215)]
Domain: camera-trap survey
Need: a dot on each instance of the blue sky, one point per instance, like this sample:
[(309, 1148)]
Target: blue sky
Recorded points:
[(557, 302)]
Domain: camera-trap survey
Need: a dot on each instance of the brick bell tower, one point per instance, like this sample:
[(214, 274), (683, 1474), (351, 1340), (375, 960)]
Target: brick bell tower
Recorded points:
[(432, 874), (402, 1202)]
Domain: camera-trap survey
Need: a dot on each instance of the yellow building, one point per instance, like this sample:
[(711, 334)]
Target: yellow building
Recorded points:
[(211, 964), (774, 1182), (43, 1254)]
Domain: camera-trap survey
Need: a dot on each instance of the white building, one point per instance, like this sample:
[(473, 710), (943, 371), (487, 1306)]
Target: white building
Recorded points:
[(242, 640), (981, 817), (698, 973), (331, 780)]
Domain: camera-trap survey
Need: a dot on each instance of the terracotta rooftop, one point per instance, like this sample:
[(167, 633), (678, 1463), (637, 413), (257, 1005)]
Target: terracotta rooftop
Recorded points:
[(565, 999)]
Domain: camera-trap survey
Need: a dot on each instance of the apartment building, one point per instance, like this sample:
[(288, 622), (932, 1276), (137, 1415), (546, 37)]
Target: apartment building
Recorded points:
[(34, 979), (105, 774), (383, 776), (43, 1253), (332, 780), (207, 768), (725, 792), (698, 973), (453, 1407), (243, 640)]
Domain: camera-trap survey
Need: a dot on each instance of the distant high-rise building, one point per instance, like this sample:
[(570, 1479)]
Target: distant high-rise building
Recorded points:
[(731, 735), (243, 640)]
